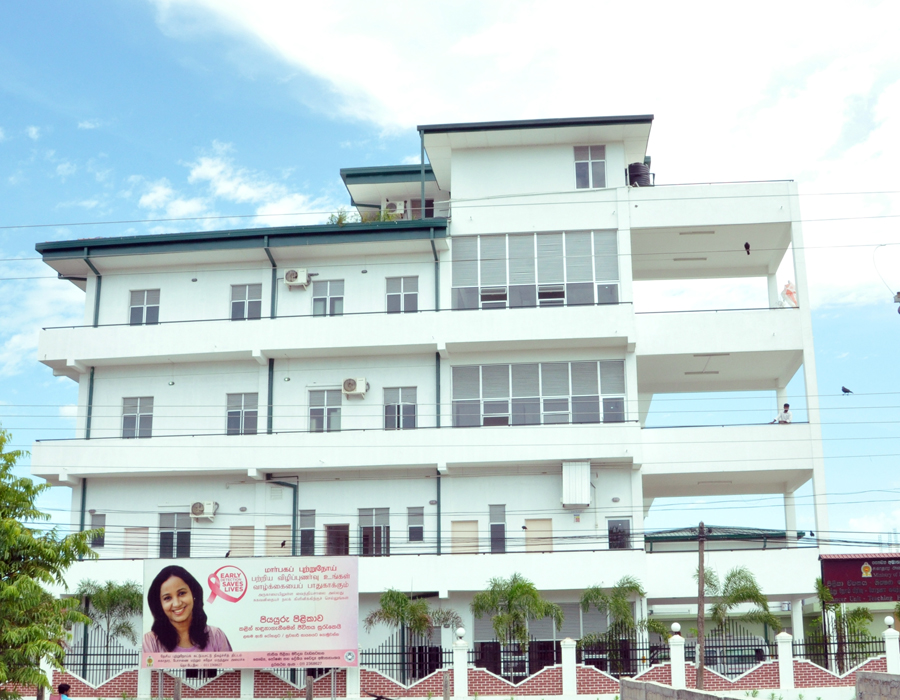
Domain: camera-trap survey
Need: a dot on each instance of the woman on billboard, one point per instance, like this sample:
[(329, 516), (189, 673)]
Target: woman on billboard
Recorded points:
[(179, 624)]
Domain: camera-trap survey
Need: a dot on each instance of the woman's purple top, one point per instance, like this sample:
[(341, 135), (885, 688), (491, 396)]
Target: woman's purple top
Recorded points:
[(217, 642)]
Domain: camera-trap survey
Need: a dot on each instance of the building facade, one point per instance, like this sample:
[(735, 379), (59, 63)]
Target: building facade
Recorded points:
[(451, 396)]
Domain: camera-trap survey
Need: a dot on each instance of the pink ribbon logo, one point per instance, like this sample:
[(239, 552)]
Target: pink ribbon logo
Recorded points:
[(228, 583)]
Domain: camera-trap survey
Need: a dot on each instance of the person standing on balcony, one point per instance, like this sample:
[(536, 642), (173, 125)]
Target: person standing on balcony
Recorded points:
[(785, 416)]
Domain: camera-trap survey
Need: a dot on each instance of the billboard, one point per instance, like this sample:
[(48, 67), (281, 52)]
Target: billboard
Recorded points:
[(862, 578), (250, 613)]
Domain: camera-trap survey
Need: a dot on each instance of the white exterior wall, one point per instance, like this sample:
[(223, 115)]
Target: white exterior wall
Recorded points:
[(498, 190)]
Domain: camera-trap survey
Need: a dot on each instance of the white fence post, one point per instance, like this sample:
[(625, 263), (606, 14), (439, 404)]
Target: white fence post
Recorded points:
[(676, 654), (145, 680), (892, 646), (785, 661), (460, 665), (353, 675), (569, 672), (248, 678)]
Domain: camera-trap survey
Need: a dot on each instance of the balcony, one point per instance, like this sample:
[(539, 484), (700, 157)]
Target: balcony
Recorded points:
[(739, 459), (699, 231), (70, 350), (328, 453)]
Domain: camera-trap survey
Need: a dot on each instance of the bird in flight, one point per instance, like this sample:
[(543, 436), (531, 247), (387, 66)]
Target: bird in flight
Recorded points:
[(846, 390), (747, 248)]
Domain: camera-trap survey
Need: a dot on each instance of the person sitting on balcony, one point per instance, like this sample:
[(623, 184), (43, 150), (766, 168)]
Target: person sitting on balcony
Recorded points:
[(785, 416)]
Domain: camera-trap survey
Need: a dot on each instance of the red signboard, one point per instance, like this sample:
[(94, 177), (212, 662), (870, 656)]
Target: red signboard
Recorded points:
[(862, 578)]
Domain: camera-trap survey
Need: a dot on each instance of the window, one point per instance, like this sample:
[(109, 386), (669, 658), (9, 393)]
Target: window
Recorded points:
[(590, 167), (246, 301), (374, 532), (325, 411), (337, 540), (400, 408), (278, 541), (402, 294), (498, 529), (415, 517), (144, 307), (528, 270), (137, 416), (307, 533), (98, 521), (174, 535), (137, 542), (415, 208), (328, 298), (536, 393), (242, 413), (619, 534)]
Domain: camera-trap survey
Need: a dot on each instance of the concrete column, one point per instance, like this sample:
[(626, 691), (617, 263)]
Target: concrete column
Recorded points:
[(569, 672), (676, 652), (892, 649), (790, 519), (785, 661), (460, 669), (797, 620), (774, 296), (809, 369), (353, 681), (247, 682), (145, 676), (637, 512)]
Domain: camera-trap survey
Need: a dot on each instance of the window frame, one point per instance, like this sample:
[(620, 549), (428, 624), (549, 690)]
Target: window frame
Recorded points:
[(143, 419), (548, 406), (569, 262), (251, 306), (331, 306), (307, 526), (401, 414), (374, 532), (149, 311), (497, 527), (243, 414), (327, 413), (180, 545), (618, 538), (98, 520), (407, 300), (415, 523), (337, 539), (590, 169)]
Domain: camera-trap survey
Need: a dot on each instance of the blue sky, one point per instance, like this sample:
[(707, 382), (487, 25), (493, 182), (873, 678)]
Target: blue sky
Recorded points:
[(113, 111)]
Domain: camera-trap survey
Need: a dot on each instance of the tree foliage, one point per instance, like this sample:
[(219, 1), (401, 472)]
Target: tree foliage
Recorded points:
[(511, 602), (398, 610), (739, 587), (34, 623), (617, 603), (112, 606)]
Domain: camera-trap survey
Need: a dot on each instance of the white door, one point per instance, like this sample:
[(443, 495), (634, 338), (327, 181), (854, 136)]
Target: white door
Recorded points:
[(539, 535), (464, 536)]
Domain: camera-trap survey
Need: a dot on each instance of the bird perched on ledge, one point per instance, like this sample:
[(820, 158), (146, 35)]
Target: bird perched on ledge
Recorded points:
[(747, 248)]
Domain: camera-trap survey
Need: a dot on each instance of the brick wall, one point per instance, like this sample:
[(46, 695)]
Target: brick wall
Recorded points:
[(808, 675), (547, 681), (592, 681), (379, 684), (125, 682), (228, 685), (268, 685), (657, 674)]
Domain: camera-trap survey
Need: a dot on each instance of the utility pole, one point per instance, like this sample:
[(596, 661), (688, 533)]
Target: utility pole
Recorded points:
[(701, 607)]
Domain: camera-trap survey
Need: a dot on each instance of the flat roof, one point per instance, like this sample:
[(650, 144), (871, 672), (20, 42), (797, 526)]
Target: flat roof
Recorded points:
[(386, 173), (273, 237), (535, 124)]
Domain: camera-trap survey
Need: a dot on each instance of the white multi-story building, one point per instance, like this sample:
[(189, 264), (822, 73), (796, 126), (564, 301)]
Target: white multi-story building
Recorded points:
[(453, 396)]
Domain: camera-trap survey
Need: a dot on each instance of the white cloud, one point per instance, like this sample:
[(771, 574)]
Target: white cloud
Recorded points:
[(412, 160), (90, 124), (33, 132), (68, 411), (876, 522), (158, 195), (30, 305), (806, 97), (66, 169), (2, 134)]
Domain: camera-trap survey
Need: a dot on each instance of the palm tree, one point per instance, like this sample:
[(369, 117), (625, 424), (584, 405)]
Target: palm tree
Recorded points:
[(511, 603), (847, 625), (112, 606), (398, 610), (617, 604), (738, 588)]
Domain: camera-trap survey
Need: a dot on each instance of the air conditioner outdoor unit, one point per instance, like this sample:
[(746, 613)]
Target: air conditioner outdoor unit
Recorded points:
[(296, 277), (355, 387), (395, 207), (204, 509)]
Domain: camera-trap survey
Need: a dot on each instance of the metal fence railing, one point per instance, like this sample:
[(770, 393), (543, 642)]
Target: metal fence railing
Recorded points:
[(96, 661), (732, 650), (406, 657), (839, 653)]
